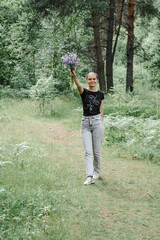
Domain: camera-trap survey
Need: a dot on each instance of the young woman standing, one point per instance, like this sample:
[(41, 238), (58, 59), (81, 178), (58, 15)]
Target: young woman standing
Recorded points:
[(92, 127)]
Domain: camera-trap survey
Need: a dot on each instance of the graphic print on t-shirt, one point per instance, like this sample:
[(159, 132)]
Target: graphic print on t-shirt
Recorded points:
[(92, 103)]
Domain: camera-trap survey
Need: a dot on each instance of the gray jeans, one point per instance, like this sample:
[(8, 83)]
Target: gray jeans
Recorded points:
[(92, 130)]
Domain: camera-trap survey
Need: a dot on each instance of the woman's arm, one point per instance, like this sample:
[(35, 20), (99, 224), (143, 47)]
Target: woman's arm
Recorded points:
[(77, 82), (101, 109)]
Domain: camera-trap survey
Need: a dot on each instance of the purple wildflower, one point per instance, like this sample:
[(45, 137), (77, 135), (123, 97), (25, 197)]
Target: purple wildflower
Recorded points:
[(70, 60)]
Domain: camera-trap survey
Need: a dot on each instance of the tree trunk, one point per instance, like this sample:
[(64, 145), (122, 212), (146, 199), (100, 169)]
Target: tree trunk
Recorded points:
[(130, 45), (109, 55), (99, 57), (119, 28)]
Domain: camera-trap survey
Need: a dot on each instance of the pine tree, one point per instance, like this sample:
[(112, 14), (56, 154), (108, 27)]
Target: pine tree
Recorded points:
[(130, 44)]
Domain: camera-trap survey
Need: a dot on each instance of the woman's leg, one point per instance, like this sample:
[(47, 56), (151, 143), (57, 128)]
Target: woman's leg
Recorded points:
[(87, 143), (97, 137)]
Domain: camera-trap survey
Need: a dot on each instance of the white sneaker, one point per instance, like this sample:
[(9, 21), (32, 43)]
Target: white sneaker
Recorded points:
[(95, 175), (89, 180)]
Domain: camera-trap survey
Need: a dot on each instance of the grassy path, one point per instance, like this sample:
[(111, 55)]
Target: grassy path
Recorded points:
[(42, 194)]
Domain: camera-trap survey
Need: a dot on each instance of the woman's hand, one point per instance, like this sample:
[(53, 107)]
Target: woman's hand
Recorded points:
[(73, 74)]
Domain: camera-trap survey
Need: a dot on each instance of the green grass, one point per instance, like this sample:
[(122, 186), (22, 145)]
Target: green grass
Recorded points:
[(41, 180)]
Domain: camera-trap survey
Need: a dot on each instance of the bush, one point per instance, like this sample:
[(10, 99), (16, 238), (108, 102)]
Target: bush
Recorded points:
[(138, 137), (14, 93)]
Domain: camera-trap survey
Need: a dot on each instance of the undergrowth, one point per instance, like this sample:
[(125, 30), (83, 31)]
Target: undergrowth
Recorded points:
[(132, 124)]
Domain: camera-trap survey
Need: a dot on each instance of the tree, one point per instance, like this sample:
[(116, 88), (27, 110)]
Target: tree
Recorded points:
[(105, 27), (146, 11), (113, 20), (130, 44), (99, 57), (70, 7), (109, 56), (20, 30), (7, 59)]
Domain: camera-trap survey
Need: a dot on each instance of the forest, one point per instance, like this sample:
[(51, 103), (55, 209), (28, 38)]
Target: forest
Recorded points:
[(41, 154), (117, 39)]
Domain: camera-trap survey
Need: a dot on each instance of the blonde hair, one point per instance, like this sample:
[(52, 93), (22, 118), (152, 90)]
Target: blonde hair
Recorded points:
[(92, 73)]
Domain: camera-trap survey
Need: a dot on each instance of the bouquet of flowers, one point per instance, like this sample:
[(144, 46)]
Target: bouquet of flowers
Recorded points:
[(72, 61)]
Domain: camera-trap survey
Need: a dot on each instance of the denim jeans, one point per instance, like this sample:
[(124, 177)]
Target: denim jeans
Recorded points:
[(92, 130)]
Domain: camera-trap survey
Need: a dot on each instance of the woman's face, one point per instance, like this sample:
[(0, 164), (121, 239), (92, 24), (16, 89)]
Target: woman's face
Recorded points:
[(92, 80)]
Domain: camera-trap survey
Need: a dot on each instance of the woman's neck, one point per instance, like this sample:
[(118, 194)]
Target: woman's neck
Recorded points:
[(92, 89)]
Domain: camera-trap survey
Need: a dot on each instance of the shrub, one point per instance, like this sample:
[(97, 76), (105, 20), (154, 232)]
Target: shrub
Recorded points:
[(136, 136)]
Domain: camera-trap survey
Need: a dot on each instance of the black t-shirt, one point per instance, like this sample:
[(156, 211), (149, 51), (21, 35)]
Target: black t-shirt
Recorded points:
[(91, 102)]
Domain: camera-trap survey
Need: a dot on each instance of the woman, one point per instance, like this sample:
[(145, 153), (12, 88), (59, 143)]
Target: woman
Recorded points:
[(92, 127)]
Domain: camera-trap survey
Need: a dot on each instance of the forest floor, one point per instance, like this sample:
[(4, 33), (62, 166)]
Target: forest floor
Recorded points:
[(42, 193)]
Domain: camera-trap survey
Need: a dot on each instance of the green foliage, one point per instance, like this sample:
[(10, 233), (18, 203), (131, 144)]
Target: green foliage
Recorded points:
[(35, 34), (149, 52), (44, 92), (34, 47), (6, 92), (155, 80), (138, 137), (132, 124), (147, 8), (18, 34), (6, 68), (61, 35)]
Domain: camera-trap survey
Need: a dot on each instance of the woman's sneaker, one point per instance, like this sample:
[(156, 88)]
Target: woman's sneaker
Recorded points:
[(89, 180), (95, 175)]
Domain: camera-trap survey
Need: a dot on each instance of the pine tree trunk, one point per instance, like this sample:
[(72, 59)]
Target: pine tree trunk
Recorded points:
[(130, 45), (109, 55), (99, 57)]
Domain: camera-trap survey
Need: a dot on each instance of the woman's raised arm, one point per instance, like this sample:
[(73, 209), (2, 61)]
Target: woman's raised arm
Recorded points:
[(77, 82)]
